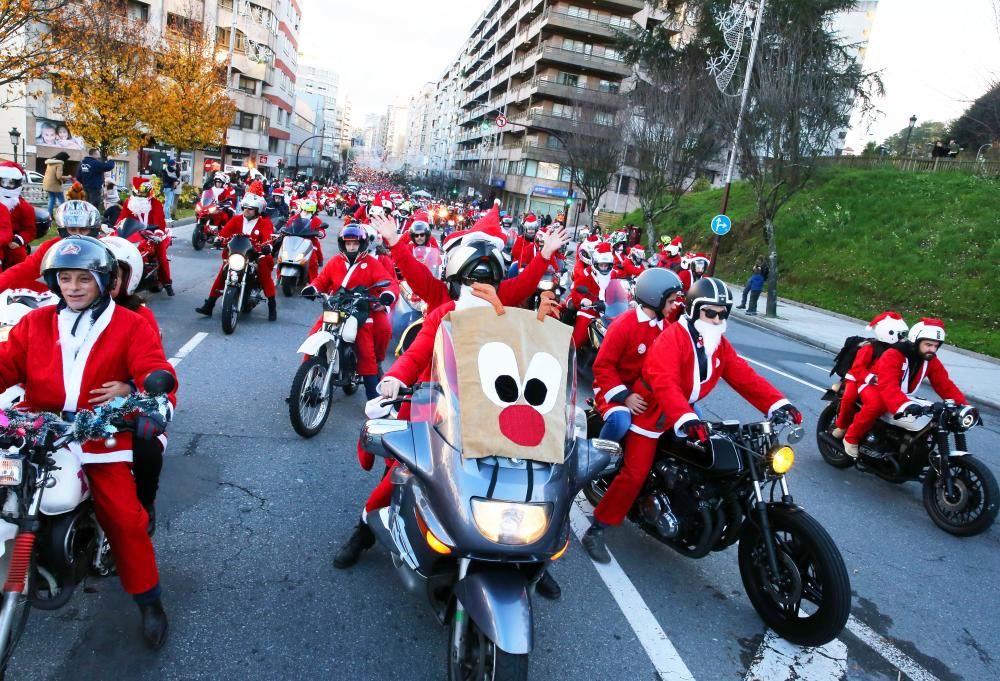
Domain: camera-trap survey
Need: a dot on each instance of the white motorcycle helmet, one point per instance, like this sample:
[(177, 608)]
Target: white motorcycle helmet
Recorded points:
[(927, 329), (128, 259), (255, 201)]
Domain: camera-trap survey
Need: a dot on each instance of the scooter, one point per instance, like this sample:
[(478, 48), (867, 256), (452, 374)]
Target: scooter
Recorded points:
[(295, 254)]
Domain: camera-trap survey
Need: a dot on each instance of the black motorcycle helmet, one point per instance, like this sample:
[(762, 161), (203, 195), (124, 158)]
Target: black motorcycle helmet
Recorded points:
[(708, 291), (476, 260), (81, 253), (654, 287)]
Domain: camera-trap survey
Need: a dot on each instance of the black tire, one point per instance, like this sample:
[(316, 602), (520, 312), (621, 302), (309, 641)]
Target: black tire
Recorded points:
[(836, 457), (809, 558), (975, 507), (287, 287), (350, 388), (230, 309), (482, 660), (307, 409), (197, 237)]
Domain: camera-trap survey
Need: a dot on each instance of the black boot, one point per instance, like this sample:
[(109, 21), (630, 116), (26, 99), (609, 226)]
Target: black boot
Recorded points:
[(593, 541), (169, 288), (207, 307), (548, 587), (360, 540), (151, 525), (154, 624), (272, 309)]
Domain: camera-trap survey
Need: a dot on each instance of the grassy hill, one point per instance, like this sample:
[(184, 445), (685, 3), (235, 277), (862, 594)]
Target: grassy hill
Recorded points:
[(862, 241)]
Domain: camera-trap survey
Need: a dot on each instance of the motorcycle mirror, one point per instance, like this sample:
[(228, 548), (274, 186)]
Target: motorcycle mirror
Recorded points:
[(795, 434), (159, 382)]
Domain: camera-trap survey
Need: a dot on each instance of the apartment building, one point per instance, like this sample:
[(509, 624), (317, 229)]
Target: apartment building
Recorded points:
[(419, 117), (542, 64), (316, 80)]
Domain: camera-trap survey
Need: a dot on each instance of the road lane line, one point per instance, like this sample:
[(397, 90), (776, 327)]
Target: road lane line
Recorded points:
[(816, 366), (779, 660), (888, 651), (786, 375), (667, 662), (187, 348)]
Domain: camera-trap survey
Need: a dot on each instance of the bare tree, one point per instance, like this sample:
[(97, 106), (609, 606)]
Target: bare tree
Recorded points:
[(594, 148), (805, 86)]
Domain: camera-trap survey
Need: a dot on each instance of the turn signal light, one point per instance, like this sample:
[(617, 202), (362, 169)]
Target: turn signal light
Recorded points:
[(560, 552), (436, 544)]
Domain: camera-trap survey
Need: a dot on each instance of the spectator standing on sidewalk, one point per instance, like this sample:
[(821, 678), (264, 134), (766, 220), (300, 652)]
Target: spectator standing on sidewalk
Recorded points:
[(112, 203), (52, 183), (759, 266), (756, 285), (171, 179), (91, 176)]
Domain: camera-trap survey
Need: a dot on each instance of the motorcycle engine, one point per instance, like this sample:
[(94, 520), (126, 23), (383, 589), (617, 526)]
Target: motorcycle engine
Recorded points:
[(655, 509)]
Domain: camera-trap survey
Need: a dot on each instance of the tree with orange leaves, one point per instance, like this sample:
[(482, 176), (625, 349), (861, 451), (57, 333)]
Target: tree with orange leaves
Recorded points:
[(26, 48)]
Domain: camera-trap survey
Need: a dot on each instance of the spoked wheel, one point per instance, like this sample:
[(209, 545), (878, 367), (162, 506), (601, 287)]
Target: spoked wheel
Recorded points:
[(809, 602), (595, 490), (308, 406), (972, 506), (473, 657), (198, 237), (230, 309), (832, 453)]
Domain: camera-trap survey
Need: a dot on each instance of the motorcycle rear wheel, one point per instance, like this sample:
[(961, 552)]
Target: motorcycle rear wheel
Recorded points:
[(307, 408), (198, 237), (230, 309), (481, 660), (975, 505), (836, 457), (812, 570)]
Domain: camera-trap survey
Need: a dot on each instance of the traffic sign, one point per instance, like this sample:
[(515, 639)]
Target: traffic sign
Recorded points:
[(721, 224), (501, 121)]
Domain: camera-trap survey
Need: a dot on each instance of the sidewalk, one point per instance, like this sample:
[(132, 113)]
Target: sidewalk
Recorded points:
[(976, 375)]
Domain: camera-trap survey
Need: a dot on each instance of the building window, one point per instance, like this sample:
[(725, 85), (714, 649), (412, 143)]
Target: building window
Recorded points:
[(137, 10), (609, 86), (248, 85), (182, 24), (604, 118), (272, 145), (563, 110), (548, 171), (243, 121), (571, 79), (577, 46), (530, 168)]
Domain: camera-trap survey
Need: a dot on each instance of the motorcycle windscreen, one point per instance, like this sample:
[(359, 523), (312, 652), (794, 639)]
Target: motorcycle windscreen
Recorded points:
[(616, 298), (207, 198), (130, 226), (299, 227), (515, 378), (295, 249), (430, 257)]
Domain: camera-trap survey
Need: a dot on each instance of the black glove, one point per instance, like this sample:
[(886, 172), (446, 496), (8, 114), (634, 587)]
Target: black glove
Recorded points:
[(696, 433), (386, 298), (148, 426), (265, 249), (791, 413), (909, 410), (600, 306), (309, 291)]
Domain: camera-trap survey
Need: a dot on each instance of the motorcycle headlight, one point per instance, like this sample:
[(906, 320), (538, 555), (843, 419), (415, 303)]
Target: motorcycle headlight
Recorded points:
[(10, 471), (213, 209), (547, 285), (967, 417), (4, 333), (331, 317), (300, 258), (506, 522), (237, 261), (782, 460)]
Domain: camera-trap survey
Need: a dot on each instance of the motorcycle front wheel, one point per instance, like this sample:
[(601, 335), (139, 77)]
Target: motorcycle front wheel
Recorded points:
[(835, 456), (22, 608), (287, 286), (809, 602), (230, 309), (972, 506), (476, 658), (198, 237), (308, 407)]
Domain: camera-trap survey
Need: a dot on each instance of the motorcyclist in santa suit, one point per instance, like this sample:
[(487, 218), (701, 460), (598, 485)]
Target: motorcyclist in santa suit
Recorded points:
[(148, 210), (89, 335), (683, 366)]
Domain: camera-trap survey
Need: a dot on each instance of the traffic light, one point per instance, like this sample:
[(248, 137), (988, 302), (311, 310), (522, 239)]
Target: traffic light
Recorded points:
[(569, 201)]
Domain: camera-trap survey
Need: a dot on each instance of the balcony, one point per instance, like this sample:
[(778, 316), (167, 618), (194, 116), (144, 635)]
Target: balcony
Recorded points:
[(564, 21), (582, 60), (248, 103), (575, 93), (248, 139), (541, 152), (546, 121)]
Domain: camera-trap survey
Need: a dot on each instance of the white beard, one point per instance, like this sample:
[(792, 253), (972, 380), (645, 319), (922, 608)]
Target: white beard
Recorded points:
[(140, 207), (10, 198), (467, 300), (602, 282), (711, 334)]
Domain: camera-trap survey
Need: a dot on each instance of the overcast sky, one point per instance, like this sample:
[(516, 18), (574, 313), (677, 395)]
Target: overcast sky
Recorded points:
[(935, 55)]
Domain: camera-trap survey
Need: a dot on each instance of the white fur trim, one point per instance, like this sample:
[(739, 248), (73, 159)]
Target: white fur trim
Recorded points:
[(777, 405), (645, 433), (685, 418), (73, 368), (107, 457), (614, 391)]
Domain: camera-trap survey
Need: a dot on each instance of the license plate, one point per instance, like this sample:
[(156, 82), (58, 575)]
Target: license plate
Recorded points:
[(331, 317), (10, 471)]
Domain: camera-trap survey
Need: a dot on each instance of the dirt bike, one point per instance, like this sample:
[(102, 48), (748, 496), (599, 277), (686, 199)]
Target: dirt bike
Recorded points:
[(960, 493)]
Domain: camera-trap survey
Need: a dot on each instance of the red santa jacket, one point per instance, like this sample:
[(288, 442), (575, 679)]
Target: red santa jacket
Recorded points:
[(415, 364), (593, 294), (120, 346), (25, 274), (361, 215), (260, 234), (366, 271), (861, 370), (434, 292), (523, 251), (618, 364), (6, 226), (897, 382), (22, 224), (671, 381), (154, 220)]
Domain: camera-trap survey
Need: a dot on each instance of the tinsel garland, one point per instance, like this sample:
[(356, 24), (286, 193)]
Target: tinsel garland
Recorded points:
[(88, 425)]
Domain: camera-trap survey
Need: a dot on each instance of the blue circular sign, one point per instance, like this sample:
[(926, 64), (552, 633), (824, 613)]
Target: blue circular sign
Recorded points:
[(721, 224)]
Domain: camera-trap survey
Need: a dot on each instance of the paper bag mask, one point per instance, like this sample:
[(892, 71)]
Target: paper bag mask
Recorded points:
[(512, 380)]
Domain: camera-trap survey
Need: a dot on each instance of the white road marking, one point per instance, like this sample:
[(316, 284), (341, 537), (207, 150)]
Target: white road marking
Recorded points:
[(779, 660), (667, 662), (890, 653), (187, 348), (823, 369), (786, 375)]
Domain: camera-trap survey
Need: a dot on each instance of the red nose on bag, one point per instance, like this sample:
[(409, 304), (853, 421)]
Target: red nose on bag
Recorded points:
[(522, 425)]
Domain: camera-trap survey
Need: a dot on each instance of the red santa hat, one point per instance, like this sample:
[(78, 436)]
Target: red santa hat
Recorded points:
[(602, 252), (256, 187), (141, 186), (530, 220), (928, 328), (10, 170), (888, 327), (488, 226), (421, 216)]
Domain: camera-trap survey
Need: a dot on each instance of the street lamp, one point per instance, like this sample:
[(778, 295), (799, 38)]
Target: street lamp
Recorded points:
[(15, 137), (906, 147)]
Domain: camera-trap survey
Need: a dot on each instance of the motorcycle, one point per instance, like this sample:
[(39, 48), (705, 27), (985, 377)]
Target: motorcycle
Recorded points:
[(142, 237), (699, 500), (330, 359), (295, 253), (614, 301), (50, 539), (211, 218), (474, 535), (14, 305), (959, 492), (558, 284), (408, 317), (241, 291), (329, 206)]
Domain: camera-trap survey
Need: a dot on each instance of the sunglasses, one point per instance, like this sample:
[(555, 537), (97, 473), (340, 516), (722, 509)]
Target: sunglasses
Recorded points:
[(712, 314)]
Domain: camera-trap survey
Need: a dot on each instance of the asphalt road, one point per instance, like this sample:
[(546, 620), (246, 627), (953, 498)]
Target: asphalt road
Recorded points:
[(250, 516)]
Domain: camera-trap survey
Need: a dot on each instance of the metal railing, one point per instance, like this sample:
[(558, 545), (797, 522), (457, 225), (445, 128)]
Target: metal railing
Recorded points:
[(913, 164)]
